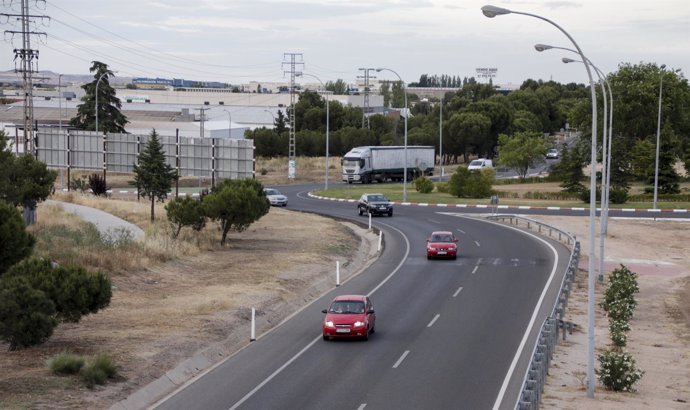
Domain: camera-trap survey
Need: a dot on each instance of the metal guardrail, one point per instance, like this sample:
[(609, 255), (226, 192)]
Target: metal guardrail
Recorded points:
[(542, 352)]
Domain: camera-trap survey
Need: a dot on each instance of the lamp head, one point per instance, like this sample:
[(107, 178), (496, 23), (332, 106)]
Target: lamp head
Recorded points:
[(663, 66), (378, 70), (493, 11), (542, 47), (567, 60)]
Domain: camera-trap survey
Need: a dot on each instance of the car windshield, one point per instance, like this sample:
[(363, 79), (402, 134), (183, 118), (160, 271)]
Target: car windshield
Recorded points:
[(441, 238), (347, 306), (272, 192), (477, 162), (377, 198)]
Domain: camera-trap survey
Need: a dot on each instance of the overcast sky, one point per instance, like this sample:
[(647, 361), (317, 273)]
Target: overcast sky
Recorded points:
[(237, 41)]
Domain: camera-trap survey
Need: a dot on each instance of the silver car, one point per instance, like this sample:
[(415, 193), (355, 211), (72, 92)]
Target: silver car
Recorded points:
[(275, 197)]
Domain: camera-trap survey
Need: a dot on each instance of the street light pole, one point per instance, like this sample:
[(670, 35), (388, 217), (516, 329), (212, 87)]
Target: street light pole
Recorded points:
[(658, 137), (440, 137), (328, 116), (406, 115), (493, 11)]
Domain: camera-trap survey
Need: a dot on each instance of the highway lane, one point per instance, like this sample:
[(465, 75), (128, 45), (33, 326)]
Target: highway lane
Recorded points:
[(447, 331)]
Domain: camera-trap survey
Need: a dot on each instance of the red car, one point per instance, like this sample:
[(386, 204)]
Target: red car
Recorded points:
[(349, 316), (442, 244)]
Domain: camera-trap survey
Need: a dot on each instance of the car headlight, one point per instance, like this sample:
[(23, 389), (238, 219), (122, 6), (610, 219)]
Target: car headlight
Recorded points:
[(329, 323), (359, 324)]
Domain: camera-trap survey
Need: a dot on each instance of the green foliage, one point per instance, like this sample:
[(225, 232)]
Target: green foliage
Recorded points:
[(92, 375), (105, 362), (521, 151), (618, 195), (423, 185), (66, 363), (74, 291), (617, 331), (110, 119), (185, 211), (466, 184), (97, 185), (617, 370), (442, 187), (24, 180), (27, 315), (153, 177), (235, 204), (619, 297), (78, 184), (15, 242)]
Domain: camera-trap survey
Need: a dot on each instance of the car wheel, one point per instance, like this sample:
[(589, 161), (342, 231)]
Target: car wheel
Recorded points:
[(373, 330), (326, 338), (428, 256), (455, 257), (360, 211), (390, 213), (366, 336)]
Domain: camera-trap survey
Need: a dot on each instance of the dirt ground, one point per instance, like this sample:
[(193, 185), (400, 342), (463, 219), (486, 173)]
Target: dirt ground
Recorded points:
[(659, 340)]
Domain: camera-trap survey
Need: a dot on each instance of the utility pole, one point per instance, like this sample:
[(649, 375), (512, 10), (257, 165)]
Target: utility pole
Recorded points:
[(201, 120), (27, 67), (365, 108), (291, 118)]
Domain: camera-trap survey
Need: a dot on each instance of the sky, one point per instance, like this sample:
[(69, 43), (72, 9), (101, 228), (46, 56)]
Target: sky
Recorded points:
[(237, 41)]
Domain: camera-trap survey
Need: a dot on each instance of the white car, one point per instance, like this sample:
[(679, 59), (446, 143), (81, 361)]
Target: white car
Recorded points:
[(479, 164), (275, 197), (552, 153)]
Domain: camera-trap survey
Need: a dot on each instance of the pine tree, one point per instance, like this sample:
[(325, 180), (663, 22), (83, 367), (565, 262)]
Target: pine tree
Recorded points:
[(153, 177), (110, 119)]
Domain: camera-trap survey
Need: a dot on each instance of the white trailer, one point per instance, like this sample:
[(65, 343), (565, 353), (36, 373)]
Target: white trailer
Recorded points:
[(370, 163)]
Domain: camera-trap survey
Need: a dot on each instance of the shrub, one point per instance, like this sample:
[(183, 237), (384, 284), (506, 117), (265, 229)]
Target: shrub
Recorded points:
[(78, 184), (98, 185), (442, 187), (104, 362), (66, 363), (27, 315), (183, 212), (423, 185), (617, 329), (92, 375), (619, 296), (618, 195), (617, 370), (15, 242)]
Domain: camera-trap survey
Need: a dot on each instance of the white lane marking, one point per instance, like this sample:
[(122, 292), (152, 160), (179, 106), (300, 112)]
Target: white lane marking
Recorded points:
[(274, 374), (434, 221), (457, 291), (462, 232), (477, 243), (362, 406), (532, 321), (475, 269), (433, 320), (404, 355)]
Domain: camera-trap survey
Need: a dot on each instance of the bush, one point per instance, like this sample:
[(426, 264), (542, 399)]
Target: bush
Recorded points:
[(98, 185), (442, 187), (185, 211), (464, 183), (617, 370), (27, 315), (15, 242), (78, 184), (104, 362), (66, 363), (92, 375), (423, 185), (619, 296), (618, 195), (617, 329)]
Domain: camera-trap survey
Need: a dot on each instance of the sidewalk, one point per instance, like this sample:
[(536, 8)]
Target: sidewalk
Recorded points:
[(108, 225)]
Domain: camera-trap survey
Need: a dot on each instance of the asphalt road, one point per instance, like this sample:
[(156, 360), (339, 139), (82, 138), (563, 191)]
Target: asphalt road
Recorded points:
[(450, 334)]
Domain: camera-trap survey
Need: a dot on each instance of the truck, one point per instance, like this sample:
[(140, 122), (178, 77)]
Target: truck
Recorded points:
[(387, 163)]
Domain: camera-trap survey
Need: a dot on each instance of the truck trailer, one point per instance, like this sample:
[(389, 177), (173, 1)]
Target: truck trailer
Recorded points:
[(387, 163)]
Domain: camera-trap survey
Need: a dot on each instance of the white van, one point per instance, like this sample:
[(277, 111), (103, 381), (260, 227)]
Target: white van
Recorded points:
[(480, 163)]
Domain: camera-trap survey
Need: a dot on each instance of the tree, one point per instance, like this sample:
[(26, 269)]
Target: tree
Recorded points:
[(521, 151), (466, 130), (15, 242), (280, 123), (110, 119), (27, 315), (569, 169), (153, 177), (235, 204), (185, 211), (466, 184), (73, 290), (339, 87)]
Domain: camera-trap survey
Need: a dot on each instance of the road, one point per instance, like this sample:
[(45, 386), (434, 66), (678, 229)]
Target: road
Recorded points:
[(450, 334)]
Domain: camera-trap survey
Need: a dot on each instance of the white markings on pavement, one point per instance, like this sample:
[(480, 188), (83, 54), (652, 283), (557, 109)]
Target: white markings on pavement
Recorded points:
[(477, 243), (462, 232), (404, 355), (433, 320), (475, 269), (457, 291), (362, 406), (434, 221)]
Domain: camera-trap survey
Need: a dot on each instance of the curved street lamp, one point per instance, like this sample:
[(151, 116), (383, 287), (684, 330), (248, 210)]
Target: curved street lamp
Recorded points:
[(658, 134), (229, 124), (406, 115), (328, 116), (493, 11)]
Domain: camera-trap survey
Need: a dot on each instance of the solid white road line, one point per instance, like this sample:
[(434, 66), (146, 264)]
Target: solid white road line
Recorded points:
[(404, 355), (433, 320)]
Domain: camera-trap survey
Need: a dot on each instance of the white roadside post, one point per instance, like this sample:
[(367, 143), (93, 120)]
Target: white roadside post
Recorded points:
[(380, 239), (252, 337), (337, 273)]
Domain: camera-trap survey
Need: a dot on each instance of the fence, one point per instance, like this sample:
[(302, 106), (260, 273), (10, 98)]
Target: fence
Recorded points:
[(535, 376), (215, 157)]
